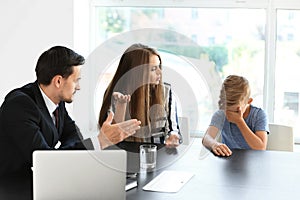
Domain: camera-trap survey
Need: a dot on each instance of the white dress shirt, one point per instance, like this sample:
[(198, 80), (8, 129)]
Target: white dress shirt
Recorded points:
[(51, 108)]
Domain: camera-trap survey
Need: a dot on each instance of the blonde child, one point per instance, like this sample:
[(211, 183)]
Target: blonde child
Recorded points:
[(241, 125)]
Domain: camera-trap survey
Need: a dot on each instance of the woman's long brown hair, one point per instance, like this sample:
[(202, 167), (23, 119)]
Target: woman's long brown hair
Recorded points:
[(132, 77)]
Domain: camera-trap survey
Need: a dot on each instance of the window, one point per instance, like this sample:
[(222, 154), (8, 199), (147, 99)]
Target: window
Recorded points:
[(258, 39), (229, 45), (193, 96), (287, 87)]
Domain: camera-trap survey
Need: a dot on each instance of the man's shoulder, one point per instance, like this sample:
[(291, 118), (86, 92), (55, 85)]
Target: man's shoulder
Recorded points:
[(17, 101), (22, 92)]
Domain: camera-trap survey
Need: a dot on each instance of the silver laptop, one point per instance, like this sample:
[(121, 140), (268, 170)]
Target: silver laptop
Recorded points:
[(74, 174)]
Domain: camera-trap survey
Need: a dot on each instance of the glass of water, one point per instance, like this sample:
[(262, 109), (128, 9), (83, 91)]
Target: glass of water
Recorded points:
[(148, 154)]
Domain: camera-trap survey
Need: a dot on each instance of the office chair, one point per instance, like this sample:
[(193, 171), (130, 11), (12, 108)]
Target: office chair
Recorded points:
[(280, 138), (184, 129)]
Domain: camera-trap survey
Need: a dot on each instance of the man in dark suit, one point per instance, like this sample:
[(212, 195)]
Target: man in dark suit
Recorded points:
[(34, 116)]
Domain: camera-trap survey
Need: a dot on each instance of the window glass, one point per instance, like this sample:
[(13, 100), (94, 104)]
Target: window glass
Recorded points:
[(228, 41), (287, 87)]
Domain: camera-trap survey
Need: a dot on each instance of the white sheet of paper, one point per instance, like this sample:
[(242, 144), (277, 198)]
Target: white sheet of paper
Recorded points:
[(169, 181)]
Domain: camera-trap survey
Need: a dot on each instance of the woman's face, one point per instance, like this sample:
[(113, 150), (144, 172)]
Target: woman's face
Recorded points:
[(155, 71)]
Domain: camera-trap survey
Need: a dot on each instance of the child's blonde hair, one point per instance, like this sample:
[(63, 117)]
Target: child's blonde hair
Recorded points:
[(235, 89)]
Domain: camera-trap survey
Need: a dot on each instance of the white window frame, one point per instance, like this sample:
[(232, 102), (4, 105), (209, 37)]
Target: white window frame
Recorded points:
[(84, 37)]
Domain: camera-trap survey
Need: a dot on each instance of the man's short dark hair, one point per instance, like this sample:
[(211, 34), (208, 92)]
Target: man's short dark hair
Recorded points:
[(58, 60)]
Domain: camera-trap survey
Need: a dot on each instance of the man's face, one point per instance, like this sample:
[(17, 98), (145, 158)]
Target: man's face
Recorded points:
[(70, 85)]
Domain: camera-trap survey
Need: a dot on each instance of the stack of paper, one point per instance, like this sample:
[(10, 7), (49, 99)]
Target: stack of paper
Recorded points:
[(168, 181)]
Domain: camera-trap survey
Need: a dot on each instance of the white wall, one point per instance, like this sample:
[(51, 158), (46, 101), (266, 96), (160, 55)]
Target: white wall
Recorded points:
[(29, 27)]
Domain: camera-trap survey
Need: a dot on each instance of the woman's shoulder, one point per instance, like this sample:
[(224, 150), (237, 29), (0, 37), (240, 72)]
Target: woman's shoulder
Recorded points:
[(167, 85), (166, 88)]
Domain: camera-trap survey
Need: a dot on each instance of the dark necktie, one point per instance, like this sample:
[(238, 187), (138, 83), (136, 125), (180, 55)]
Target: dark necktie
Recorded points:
[(55, 113)]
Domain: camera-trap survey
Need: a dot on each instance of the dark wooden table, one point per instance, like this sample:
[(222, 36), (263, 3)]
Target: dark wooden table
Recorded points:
[(247, 174)]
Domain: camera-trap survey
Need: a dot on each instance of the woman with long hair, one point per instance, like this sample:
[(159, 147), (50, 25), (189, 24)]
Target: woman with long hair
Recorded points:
[(137, 91)]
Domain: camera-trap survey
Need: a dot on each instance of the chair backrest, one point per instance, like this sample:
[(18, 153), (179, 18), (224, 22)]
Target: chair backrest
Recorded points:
[(184, 129), (280, 138)]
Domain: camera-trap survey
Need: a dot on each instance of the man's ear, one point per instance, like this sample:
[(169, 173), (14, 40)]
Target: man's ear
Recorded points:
[(57, 80)]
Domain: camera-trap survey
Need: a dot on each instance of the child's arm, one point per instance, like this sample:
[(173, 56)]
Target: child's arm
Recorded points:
[(210, 142), (257, 140)]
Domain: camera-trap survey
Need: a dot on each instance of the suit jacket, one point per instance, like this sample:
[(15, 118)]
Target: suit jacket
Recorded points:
[(26, 125)]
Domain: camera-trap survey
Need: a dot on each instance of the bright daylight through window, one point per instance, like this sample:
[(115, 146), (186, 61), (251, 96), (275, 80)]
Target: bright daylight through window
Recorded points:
[(232, 45), (201, 43)]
